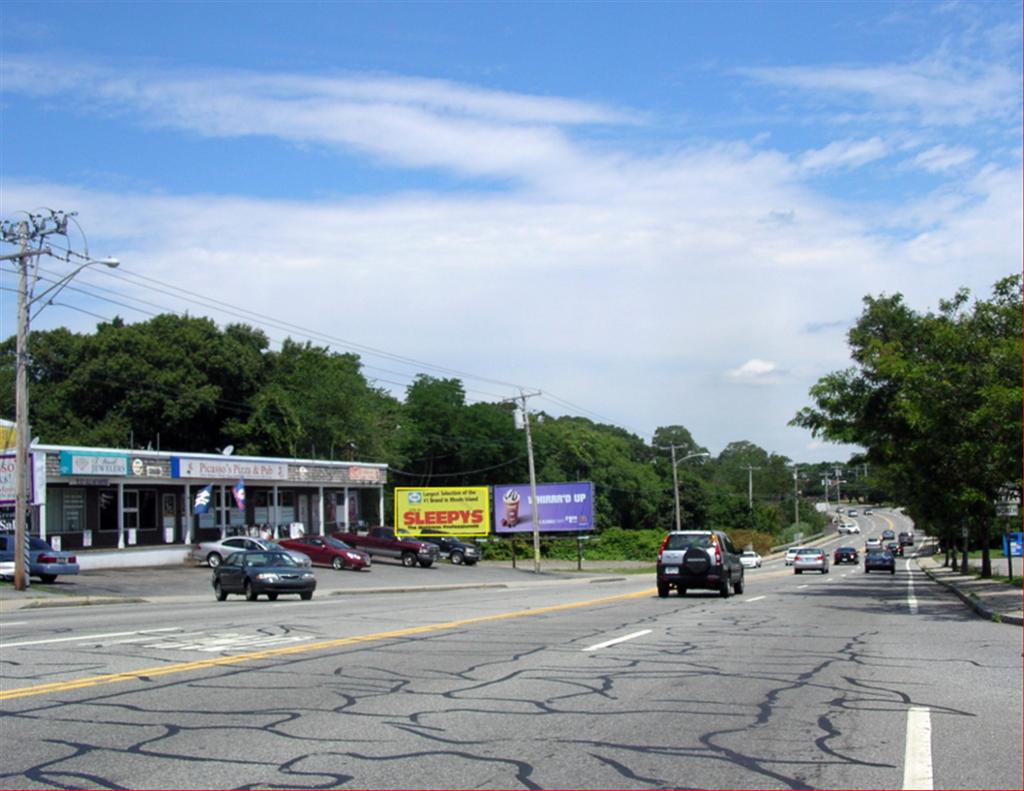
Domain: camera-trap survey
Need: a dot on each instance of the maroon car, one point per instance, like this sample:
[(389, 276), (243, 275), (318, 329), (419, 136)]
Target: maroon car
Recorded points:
[(328, 551)]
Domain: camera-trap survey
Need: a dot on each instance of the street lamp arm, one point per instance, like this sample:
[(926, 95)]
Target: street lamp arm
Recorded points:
[(59, 285)]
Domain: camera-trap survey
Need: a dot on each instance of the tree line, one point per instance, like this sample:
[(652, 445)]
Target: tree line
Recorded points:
[(181, 383), (935, 400)]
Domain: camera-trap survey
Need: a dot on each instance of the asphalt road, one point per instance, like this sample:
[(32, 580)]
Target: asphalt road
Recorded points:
[(842, 680)]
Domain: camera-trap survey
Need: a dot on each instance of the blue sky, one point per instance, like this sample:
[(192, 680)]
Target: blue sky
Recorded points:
[(655, 213)]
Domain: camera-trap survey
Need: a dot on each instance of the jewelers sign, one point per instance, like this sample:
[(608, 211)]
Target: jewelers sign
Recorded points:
[(438, 510)]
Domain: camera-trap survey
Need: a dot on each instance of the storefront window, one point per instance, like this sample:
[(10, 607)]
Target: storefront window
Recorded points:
[(65, 511)]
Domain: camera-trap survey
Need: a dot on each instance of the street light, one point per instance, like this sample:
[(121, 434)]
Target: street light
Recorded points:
[(675, 476), (25, 303)]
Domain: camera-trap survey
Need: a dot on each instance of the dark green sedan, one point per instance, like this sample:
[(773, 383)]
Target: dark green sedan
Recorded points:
[(254, 573)]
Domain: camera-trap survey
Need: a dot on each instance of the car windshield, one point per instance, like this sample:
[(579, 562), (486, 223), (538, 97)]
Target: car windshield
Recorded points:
[(336, 543), (685, 541), (269, 559)]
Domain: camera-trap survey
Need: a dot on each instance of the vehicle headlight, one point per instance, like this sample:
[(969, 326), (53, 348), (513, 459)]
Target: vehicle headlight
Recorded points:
[(268, 576), (307, 576), (352, 556)]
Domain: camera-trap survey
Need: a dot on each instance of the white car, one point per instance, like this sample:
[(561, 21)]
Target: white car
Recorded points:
[(750, 559), (213, 553), (790, 554), (848, 527), (873, 543)]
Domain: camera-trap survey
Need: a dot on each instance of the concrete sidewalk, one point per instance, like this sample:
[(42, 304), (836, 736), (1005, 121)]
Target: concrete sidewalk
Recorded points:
[(990, 598)]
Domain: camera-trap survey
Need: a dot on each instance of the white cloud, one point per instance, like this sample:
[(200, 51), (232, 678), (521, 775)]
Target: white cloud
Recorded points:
[(755, 371), (845, 154), (942, 157), (937, 90)]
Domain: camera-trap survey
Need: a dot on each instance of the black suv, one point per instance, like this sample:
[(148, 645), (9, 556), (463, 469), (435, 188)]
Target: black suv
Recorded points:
[(703, 559), (458, 552)]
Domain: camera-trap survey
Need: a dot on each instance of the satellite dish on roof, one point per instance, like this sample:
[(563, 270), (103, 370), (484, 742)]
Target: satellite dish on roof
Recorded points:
[(228, 450)]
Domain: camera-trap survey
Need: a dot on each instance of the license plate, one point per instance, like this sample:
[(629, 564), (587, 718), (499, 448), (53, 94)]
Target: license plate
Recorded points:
[(671, 569)]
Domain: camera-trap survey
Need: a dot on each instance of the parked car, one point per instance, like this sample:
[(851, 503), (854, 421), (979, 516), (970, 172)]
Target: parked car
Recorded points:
[(790, 554), (6, 569), (384, 542), (895, 547), (879, 560), (848, 527), (253, 573), (845, 555), (212, 553), (44, 561), (703, 559), (750, 559), (810, 559), (458, 552), (329, 551)]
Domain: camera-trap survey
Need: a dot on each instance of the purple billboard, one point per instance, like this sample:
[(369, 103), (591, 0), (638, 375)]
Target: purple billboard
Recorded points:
[(561, 508)]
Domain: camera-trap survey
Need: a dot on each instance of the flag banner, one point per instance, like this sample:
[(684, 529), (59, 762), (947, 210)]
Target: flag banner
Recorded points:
[(239, 492), (202, 501)]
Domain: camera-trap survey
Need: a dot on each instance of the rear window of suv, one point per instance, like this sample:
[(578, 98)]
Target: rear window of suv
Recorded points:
[(681, 541)]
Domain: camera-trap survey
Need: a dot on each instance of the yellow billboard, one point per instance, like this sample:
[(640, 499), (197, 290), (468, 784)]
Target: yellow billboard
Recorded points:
[(463, 511)]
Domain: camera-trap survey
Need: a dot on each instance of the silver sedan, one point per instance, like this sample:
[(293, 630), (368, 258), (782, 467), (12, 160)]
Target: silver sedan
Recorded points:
[(212, 553), (810, 559)]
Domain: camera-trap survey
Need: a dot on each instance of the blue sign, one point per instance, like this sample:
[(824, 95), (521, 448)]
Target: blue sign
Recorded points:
[(1012, 545)]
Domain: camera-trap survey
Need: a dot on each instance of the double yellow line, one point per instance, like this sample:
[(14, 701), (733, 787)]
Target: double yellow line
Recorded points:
[(184, 667)]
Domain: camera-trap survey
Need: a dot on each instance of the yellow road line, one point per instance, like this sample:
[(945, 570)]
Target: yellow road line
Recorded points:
[(184, 667)]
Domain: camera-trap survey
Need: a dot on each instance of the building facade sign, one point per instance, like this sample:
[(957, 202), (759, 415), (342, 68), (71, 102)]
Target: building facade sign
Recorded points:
[(8, 477), (227, 469), (106, 464)]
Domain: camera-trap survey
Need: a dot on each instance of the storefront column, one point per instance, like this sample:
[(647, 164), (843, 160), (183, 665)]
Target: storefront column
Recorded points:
[(120, 515), (380, 507), (222, 514), (189, 517), (275, 513), (348, 528), (42, 520), (321, 530)]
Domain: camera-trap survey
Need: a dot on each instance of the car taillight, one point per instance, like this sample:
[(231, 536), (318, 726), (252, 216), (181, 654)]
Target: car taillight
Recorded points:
[(718, 552), (47, 559), (661, 549)]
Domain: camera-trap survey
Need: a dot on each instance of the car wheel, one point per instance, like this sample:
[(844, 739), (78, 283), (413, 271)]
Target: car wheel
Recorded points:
[(47, 578), (272, 596), (337, 564), (723, 589), (219, 591), (306, 596), (798, 571), (213, 560), (408, 559), (457, 558), (824, 571), (426, 563), (682, 590), (737, 587), (892, 571), (250, 594), (663, 590)]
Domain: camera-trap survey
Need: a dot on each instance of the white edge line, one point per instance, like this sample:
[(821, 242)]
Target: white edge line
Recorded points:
[(87, 637), (917, 759), (617, 640), (756, 598)]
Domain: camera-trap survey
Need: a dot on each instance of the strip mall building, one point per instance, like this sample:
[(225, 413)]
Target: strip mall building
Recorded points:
[(107, 498)]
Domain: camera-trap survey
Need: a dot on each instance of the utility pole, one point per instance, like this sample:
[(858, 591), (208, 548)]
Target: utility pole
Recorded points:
[(796, 495), (535, 506), (30, 236), (675, 476), (750, 485)]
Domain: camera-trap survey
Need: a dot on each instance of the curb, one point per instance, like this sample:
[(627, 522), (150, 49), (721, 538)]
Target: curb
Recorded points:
[(974, 604)]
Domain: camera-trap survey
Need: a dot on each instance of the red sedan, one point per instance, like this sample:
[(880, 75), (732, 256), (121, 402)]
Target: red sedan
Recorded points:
[(327, 551)]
